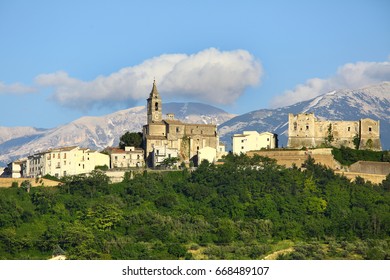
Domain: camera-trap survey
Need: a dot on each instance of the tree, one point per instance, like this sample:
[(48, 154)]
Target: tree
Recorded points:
[(169, 162), (133, 139), (329, 138)]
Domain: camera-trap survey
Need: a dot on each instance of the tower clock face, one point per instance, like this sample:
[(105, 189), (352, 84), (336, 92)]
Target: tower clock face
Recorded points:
[(156, 117)]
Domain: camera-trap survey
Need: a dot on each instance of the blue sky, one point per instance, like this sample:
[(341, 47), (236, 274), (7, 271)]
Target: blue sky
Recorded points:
[(60, 60)]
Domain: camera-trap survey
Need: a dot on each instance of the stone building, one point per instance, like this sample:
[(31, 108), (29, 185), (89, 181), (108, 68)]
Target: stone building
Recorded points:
[(305, 130), (172, 134)]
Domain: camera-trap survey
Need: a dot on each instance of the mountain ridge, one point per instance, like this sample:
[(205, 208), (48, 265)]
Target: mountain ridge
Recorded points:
[(367, 102), (98, 132)]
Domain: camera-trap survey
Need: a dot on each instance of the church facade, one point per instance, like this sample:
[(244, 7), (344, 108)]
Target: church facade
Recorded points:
[(305, 130), (165, 138)]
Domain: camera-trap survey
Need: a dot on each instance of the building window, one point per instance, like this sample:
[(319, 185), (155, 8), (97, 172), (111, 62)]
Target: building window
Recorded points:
[(369, 128), (349, 128), (268, 139), (307, 127), (177, 130), (242, 147), (295, 126), (156, 106)]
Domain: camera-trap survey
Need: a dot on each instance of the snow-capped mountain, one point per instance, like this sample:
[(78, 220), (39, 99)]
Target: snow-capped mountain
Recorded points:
[(100, 132), (97, 132), (369, 102)]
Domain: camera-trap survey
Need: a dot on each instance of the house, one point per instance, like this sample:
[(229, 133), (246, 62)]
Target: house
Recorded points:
[(129, 157), (160, 154), (17, 168), (253, 141), (207, 153), (65, 161)]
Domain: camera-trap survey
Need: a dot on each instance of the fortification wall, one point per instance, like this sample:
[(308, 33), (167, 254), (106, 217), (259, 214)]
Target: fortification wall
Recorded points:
[(7, 182), (306, 131), (373, 178), (372, 167), (290, 157)]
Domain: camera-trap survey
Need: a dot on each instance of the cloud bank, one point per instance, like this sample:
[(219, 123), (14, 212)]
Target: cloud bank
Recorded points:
[(348, 76), (211, 75), (15, 89)]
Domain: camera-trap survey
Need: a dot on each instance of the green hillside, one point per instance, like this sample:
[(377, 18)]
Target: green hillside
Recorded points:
[(248, 208)]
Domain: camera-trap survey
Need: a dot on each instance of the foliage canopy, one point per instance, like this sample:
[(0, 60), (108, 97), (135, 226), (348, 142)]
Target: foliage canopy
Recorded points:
[(242, 209)]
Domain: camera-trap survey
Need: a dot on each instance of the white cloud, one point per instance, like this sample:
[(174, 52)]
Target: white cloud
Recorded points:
[(15, 89), (348, 76), (210, 75)]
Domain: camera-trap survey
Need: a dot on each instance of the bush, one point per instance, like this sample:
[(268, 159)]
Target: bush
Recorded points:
[(177, 250), (101, 167)]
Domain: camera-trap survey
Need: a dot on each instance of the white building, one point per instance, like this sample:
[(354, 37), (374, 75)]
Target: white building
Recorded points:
[(129, 157), (35, 165), (207, 153), (161, 153), (252, 141), (65, 161), (17, 168)]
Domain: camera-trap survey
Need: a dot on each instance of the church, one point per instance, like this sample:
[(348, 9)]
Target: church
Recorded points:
[(171, 138)]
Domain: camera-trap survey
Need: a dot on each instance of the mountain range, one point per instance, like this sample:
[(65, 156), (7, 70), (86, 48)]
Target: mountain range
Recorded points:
[(97, 132), (100, 132), (368, 102)]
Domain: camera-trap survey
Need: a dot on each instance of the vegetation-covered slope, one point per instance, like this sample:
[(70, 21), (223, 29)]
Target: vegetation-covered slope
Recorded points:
[(245, 209)]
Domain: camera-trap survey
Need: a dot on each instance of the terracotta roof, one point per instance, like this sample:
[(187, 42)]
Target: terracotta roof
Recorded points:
[(114, 150), (62, 149)]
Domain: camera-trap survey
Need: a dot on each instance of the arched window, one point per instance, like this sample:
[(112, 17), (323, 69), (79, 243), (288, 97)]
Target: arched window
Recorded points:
[(156, 106)]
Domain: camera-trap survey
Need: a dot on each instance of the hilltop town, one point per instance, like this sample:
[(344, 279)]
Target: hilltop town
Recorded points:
[(171, 143), (176, 192)]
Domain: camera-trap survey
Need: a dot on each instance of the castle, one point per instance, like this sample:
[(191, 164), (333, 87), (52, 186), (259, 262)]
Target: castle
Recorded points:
[(168, 138), (305, 130)]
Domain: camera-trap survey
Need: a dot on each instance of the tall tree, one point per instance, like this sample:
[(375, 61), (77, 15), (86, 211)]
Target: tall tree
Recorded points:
[(130, 139)]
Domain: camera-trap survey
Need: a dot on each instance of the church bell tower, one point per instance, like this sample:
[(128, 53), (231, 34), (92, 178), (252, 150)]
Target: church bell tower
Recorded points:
[(154, 105)]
